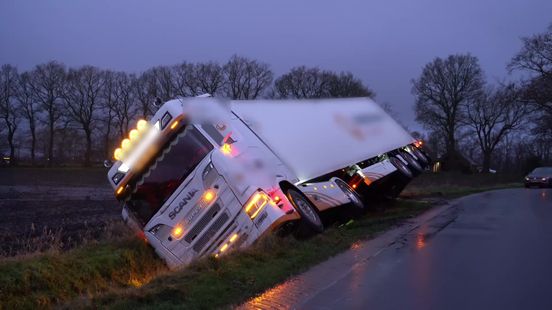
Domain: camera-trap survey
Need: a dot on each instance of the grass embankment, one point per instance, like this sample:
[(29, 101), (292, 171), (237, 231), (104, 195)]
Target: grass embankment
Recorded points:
[(452, 184), (46, 279), (111, 275)]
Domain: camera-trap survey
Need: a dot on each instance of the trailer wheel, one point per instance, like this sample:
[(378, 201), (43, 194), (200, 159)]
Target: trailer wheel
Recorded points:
[(411, 161), (356, 201), (401, 167), (420, 155), (308, 212)]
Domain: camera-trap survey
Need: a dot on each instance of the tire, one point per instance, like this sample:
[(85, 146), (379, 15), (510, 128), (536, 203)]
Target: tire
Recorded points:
[(423, 159), (308, 212), (413, 163), (356, 204), (403, 169)]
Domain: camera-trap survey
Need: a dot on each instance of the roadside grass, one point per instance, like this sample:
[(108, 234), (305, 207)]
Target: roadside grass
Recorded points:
[(455, 184), (47, 279), (128, 274)]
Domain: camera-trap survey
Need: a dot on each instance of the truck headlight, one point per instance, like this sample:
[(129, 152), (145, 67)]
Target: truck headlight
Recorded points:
[(256, 203), (162, 231)]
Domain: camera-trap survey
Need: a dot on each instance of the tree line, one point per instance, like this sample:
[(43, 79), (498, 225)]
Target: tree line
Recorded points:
[(55, 115), (504, 125)]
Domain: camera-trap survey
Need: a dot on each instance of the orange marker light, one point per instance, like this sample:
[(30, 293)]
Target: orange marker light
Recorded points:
[(224, 247), (173, 126), (354, 186), (118, 154), (142, 125), (209, 195), (177, 231), (133, 135), (276, 198), (226, 149), (234, 237), (120, 190), (125, 144)]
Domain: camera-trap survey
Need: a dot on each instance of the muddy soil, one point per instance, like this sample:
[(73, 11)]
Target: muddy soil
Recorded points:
[(37, 218)]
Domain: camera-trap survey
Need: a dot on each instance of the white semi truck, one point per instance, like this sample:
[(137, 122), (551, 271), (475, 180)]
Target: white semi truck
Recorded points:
[(205, 177)]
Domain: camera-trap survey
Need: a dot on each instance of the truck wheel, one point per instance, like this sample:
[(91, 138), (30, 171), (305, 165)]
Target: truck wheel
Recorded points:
[(423, 159), (403, 169), (411, 161), (306, 209), (356, 201)]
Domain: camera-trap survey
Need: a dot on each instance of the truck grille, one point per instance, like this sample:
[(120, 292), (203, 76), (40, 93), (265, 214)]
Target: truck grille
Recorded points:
[(210, 233), (202, 223)]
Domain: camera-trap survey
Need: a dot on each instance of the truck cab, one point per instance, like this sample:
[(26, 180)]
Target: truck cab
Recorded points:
[(184, 183)]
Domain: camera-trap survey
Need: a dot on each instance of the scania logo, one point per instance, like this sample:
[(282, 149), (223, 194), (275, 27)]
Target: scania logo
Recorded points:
[(182, 203)]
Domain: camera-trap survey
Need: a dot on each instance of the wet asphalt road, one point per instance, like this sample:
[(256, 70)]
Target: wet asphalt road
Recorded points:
[(487, 251)]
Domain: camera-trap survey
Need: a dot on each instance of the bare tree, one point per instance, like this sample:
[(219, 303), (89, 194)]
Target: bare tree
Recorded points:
[(82, 100), (29, 108), (9, 110), (442, 92), (184, 80), (47, 84), (162, 81), (144, 89), (124, 108), (107, 106), (346, 85), (302, 82), (493, 116), (535, 55), (246, 78), (197, 79), (209, 78)]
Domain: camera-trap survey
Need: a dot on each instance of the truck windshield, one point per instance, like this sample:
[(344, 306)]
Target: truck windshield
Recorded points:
[(166, 173)]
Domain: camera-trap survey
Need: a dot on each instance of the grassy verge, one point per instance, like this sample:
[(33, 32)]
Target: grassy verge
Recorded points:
[(452, 185), (118, 275), (46, 279)]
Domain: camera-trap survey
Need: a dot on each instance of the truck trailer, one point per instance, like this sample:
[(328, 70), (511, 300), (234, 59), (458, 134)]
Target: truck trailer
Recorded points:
[(206, 176)]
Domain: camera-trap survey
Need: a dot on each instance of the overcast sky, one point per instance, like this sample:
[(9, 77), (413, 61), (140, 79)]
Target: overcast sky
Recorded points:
[(384, 42)]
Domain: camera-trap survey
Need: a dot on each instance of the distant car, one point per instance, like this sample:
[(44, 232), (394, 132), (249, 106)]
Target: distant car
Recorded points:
[(541, 176)]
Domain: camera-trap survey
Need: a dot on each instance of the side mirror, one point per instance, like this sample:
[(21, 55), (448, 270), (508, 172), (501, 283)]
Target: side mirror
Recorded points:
[(107, 163)]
